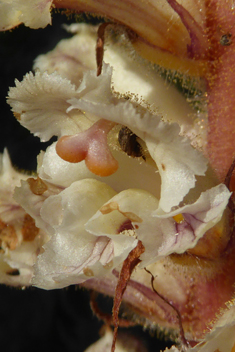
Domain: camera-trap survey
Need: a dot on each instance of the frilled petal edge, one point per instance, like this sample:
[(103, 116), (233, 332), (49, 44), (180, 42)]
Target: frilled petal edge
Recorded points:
[(40, 102)]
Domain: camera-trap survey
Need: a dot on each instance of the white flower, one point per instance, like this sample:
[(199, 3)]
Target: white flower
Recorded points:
[(33, 13), (71, 57), (49, 105), (20, 239), (161, 235), (99, 228), (72, 255), (121, 171)]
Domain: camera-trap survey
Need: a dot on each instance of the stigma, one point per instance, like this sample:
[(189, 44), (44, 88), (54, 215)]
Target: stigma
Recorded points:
[(92, 146)]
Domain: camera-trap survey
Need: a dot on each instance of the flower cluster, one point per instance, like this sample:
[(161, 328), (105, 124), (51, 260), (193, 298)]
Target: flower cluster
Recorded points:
[(127, 168), (90, 211)]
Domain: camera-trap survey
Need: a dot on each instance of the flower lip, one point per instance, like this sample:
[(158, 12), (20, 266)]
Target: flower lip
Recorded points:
[(89, 254)]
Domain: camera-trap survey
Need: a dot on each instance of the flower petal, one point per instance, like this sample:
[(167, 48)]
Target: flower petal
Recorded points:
[(71, 57), (35, 14), (53, 169), (86, 255), (201, 215), (31, 200), (16, 267), (137, 207), (10, 211), (130, 206), (40, 103)]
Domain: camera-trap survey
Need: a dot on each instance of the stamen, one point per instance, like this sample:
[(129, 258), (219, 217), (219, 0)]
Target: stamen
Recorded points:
[(183, 339), (37, 186), (178, 218), (129, 143), (91, 146)]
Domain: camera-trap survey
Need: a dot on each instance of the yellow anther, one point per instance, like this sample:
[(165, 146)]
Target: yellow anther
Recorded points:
[(178, 218)]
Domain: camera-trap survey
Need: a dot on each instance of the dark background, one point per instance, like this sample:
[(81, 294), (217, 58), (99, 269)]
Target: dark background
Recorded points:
[(32, 319)]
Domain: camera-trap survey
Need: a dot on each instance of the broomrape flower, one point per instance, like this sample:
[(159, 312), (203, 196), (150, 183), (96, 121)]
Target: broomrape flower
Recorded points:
[(20, 239), (128, 185), (163, 143)]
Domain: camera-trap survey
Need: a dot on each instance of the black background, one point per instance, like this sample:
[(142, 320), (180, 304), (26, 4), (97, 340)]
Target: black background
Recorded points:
[(32, 319)]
